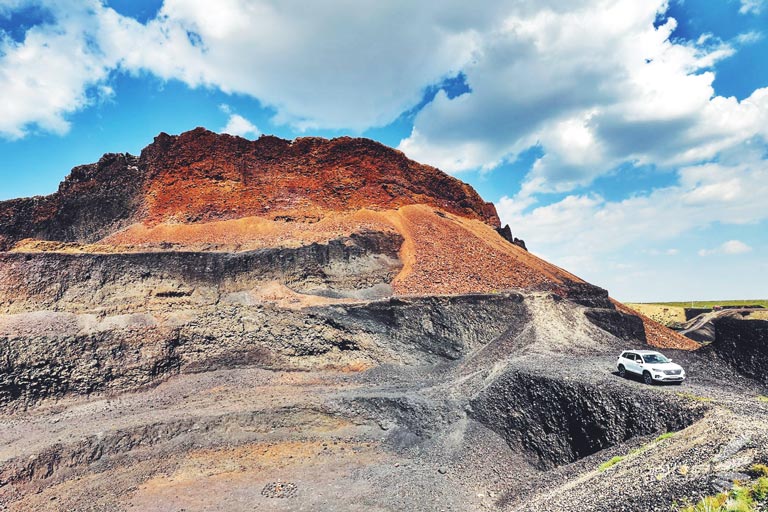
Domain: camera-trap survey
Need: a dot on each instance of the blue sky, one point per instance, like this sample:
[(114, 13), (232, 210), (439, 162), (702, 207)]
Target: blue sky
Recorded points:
[(626, 141)]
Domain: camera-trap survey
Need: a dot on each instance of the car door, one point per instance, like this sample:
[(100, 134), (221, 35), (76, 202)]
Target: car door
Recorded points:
[(639, 364), (632, 365)]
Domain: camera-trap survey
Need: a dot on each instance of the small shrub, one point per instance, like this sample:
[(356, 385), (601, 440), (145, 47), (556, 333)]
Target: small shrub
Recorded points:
[(610, 463), (740, 500), (708, 504)]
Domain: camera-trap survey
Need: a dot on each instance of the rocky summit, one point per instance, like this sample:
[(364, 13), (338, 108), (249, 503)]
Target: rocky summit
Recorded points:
[(222, 324)]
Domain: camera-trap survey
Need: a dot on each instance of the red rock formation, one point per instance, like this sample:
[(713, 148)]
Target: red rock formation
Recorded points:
[(202, 176)]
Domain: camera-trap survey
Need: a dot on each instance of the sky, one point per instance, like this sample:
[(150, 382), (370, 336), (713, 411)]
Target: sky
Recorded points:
[(624, 140)]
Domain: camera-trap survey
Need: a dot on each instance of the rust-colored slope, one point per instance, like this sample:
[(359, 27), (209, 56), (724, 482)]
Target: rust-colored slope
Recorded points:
[(448, 254)]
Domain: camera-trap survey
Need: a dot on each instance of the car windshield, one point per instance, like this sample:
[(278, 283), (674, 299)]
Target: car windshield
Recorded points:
[(655, 358)]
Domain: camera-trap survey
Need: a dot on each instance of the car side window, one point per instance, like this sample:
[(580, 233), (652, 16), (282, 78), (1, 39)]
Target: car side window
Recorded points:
[(631, 357)]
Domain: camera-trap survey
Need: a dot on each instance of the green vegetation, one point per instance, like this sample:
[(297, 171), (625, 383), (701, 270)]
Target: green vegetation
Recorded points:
[(609, 463), (762, 398), (696, 398), (637, 451), (711, 303), (739, 499)]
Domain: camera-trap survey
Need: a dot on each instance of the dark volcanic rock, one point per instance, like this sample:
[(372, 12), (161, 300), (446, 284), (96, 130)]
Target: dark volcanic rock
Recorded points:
[(506, 234), (560, 421), (92, 202), (78, 281), (621, 325), (743, 344)]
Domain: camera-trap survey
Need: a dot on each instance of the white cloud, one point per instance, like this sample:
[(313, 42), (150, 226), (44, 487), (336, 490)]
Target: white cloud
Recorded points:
[(240, 126), (730, 247), (752, 6), (750, 37), (237, 124), (662, 252), (579, 231), (592, 81), (594, 86), (54, 71), (342, 64)]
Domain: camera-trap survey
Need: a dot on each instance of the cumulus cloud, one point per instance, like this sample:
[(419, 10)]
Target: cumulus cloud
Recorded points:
[(595, 86), (238, 125), (345, 65), (730, 247), (54, 71), (729, 192), (591, 81), (349, 65)]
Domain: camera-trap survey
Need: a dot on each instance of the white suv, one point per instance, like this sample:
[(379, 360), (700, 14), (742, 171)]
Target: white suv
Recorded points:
[(653, 366)]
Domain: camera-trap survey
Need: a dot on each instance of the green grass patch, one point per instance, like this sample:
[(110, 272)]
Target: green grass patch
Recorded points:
[(742, 498), (637, 451), (758, 470), (665, 435), (695, 398), (610, 463), (762, 398), (712, 303)]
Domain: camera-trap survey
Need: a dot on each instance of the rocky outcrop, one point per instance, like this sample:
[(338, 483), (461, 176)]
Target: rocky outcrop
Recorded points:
[(744, 344), (92, 202), (201, 176), (125, 281), (52, 355), (506, 234)]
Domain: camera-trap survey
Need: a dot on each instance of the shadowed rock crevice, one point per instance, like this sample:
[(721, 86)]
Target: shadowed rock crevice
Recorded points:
[(622, 325)]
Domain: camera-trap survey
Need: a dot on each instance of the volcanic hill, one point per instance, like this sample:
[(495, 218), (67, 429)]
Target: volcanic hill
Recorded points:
[(225, 324)]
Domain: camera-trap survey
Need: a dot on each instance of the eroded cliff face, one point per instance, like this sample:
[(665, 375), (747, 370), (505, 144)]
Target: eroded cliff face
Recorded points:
[(200, 176)]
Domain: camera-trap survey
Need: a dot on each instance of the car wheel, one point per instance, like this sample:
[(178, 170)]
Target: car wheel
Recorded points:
[(647, 378), (622, 371)]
